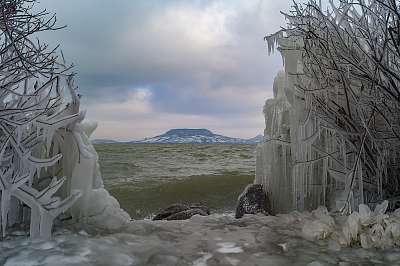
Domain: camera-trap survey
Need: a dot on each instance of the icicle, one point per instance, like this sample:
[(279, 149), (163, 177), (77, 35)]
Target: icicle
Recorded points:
[(19, 134), (361, 183)]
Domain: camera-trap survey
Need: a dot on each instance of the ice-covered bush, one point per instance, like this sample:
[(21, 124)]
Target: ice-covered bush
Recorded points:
[(46, 160), (334, 121)]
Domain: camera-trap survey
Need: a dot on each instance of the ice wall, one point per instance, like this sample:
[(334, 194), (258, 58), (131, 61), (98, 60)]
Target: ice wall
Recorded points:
[(302, 164)]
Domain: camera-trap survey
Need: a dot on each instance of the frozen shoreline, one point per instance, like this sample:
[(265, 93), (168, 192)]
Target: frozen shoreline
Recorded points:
[(211, 240)]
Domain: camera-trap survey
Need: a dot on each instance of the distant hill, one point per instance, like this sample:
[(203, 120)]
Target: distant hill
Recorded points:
[(188, 135), (201, 136)]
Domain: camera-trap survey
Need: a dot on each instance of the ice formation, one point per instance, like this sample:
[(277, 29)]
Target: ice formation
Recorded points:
[(39, 147), (47, 163), (216, 240), (333, 123), (365, 228), (291, 167)]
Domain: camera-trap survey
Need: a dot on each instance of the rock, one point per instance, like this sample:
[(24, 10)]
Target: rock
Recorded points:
[(201, 207), (252, 200), (172, 209), (184, 215), (180, 211)]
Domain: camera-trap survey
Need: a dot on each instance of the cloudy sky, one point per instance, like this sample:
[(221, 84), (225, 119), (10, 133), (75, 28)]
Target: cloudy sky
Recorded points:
[(146, 66)]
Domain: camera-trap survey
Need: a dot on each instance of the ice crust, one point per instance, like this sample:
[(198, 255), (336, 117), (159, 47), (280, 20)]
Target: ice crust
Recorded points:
[(215, 240)]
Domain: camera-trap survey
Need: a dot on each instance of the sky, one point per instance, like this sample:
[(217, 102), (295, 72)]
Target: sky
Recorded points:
[(146, 66)]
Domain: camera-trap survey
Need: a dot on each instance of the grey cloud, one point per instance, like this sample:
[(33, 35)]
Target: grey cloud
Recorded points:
[(118, 46)]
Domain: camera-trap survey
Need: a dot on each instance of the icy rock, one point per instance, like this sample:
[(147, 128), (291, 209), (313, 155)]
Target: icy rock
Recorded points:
[(170, 210), (252, 200), (180, 211), (184, 215)]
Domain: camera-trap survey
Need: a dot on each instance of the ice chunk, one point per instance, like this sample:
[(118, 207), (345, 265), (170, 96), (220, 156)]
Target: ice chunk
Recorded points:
[(317, 229), (395, 230), (284, 246), (380, 209), (396, 213), (321, 211), (229, 247), (233, 261), (351, 228), (365, 240), (202, 261), (365, 214)]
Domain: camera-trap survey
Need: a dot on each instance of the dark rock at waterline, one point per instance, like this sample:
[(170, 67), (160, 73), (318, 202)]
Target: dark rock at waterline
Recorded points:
[(170, 210), (184, 215), (180, 211), (252, 200), (204, 208)]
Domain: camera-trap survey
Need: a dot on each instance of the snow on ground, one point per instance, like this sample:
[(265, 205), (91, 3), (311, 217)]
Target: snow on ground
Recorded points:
[(200, 241)]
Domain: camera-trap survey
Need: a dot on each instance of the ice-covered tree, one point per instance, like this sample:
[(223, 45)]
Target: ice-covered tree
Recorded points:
[(46, 159), (32, 108), (342, 76)]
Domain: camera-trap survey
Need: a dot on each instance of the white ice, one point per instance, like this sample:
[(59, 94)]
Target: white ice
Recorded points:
[(202, 241)]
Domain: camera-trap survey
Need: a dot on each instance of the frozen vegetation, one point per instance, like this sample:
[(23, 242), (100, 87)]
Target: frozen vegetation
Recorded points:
[(333, 140), (47, 163), (334, 121)]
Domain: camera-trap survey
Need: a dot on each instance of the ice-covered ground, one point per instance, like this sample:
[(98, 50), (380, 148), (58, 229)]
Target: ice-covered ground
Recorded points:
[(200, 241)]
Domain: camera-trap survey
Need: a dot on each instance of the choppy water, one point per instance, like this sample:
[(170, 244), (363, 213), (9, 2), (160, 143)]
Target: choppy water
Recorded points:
[(146, 177)]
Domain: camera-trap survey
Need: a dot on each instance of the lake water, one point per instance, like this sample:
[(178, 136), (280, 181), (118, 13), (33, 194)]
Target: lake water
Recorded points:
[(147, 177)]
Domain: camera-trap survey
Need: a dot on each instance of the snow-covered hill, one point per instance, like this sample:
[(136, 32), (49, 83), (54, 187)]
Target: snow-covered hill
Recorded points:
[(203, 136), (188, 135)]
